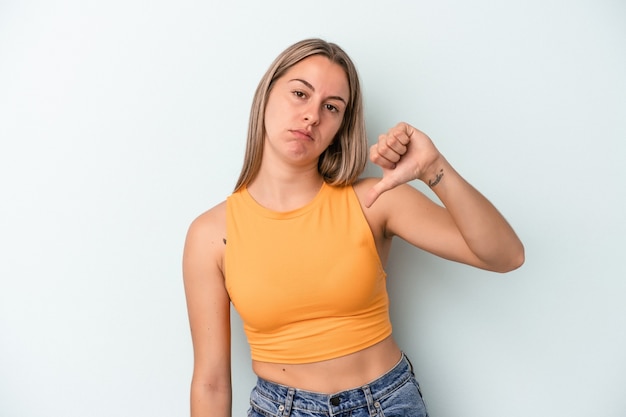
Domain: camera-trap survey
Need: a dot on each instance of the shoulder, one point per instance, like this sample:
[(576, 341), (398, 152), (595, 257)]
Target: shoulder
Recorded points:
[(211, 222), (362, 185), (388, 201), (206, 235), (375, 215), (389, 197), (399, 202)]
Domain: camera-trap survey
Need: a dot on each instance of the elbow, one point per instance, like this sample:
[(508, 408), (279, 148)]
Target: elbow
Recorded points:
[(206, 395), (514, 261)]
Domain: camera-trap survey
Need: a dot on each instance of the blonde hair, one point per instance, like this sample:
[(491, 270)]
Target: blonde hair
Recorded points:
[(344, 160)]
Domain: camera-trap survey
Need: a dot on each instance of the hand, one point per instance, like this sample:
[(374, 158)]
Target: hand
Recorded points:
[(405, 154)]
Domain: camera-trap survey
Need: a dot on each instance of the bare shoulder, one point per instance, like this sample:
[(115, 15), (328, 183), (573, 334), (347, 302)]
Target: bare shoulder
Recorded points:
[(364, 184), (206, 236), (395, 207), (361, 187), (389, 201), (211, 220), (376, 215)]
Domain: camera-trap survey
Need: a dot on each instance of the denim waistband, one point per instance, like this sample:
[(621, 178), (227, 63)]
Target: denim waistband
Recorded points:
[(365, 395)]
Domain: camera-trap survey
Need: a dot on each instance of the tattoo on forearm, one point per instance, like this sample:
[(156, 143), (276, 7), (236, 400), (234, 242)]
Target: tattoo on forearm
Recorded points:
[(438, 177)]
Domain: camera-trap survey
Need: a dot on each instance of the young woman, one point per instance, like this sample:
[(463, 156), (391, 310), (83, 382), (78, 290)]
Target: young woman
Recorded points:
[(300, 247)]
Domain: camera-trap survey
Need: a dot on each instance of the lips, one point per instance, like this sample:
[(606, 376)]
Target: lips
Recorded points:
[(302, 134)]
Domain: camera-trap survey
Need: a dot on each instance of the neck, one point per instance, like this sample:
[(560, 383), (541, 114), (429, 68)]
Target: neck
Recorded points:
[(285, 189)]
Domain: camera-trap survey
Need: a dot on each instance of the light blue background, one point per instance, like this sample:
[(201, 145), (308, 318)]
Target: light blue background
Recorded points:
[(120, 121)]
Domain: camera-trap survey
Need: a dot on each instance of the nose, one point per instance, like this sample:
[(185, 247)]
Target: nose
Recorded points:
[(312, 114)]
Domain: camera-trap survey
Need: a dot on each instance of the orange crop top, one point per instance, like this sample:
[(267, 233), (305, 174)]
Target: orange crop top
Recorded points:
[(308, 283)]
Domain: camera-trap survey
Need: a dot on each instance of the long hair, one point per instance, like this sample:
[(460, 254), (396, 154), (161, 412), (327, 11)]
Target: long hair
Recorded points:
[(344, 160)]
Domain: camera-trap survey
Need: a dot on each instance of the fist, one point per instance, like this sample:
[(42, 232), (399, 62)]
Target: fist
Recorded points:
[(405, 154)]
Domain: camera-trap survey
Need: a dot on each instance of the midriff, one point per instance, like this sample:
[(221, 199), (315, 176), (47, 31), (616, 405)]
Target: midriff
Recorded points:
[(337, 374)]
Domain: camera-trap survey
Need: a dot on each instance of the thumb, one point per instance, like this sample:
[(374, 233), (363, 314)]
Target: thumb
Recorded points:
[(380, 187)]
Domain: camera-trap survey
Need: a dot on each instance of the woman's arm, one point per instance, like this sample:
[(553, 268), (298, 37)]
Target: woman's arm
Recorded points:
[(467, 229), (208, 307)]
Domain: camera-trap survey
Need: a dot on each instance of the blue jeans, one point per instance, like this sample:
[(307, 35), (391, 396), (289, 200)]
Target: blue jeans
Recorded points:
[(395, 394)]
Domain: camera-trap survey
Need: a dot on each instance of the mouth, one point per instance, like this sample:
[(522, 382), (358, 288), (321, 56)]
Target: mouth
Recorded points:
[(302, 134)]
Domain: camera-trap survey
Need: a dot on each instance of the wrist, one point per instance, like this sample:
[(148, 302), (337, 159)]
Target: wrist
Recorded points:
[(436, 178), (436, 172)]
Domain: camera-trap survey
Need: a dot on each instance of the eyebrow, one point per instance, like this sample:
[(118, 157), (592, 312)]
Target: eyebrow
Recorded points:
[(309, 85)]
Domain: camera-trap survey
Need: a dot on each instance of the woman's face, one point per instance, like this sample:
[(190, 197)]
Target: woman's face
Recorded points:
[(305, 110)]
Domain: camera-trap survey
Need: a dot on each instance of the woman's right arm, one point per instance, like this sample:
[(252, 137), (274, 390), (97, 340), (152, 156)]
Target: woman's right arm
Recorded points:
[(208, 306)]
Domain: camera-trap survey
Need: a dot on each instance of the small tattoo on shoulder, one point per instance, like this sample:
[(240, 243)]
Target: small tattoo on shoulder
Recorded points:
[(224, 240), (438, 177)]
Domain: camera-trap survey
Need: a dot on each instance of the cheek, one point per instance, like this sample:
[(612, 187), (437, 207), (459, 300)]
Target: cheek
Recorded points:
[(269, 118), (335, 128), (275, 110)]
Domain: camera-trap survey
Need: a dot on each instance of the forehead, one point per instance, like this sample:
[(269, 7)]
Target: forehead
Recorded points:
[(322, 74)]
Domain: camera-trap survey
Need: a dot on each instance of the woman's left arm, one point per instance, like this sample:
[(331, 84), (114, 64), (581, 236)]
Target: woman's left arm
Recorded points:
[(468, 228)]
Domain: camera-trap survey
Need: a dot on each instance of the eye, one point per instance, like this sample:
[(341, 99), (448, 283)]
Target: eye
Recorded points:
[(299, 94), (331, 108)]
